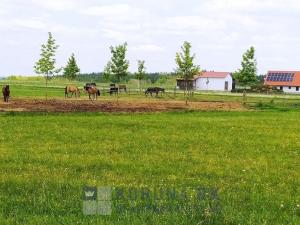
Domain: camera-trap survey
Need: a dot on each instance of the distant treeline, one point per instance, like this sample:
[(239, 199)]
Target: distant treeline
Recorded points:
[(98, 77)]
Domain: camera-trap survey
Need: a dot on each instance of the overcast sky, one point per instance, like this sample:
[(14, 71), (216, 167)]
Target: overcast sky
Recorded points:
[(219, 30)]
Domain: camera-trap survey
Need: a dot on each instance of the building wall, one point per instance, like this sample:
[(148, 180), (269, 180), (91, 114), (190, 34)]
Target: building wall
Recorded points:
[(213, 84), (292, 90)]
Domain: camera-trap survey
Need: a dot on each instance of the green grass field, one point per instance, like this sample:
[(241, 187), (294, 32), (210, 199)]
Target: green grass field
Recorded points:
[(251, 158)]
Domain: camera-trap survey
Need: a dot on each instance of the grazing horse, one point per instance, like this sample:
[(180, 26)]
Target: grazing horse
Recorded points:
[(113, 89), (122, 87), (92, 91), (6, 93), (72, 89), (155, 90)]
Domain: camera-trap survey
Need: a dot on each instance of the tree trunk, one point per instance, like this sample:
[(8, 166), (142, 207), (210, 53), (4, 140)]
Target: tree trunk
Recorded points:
[(117, 85), (140, 87), (47, 86), (244, 97), (186, 90)]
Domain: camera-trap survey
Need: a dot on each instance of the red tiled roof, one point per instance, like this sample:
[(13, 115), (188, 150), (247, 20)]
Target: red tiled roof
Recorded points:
[(294, 83), (213, 75)]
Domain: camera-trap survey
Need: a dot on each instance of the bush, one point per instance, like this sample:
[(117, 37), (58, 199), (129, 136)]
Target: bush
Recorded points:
[(25, 78), (258, 88)]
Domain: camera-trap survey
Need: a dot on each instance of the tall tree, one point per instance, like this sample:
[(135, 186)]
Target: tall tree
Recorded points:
[(107, 74), (118, 65), (248, 73), (186, 69), (46, 64), (141, 73), (72, 69)]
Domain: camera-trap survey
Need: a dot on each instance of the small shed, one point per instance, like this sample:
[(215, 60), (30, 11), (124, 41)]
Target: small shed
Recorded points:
[(181, 84), (208, 81), (214, 81)]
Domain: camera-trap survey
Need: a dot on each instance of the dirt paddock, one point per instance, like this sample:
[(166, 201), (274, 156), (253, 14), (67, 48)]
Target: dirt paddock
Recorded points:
[(31, 105)]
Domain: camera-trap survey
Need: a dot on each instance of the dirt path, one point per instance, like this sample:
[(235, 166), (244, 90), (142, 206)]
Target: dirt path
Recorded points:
[(31, 105)]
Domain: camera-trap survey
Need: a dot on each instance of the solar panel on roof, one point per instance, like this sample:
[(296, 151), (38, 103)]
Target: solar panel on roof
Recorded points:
[(280, 77)]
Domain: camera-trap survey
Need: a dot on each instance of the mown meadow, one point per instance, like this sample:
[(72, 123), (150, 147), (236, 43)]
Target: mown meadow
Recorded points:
[(252, 158)]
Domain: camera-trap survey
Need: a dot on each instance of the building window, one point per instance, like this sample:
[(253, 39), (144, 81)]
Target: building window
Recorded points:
[(290, 87), (281, 88), (297, 88)]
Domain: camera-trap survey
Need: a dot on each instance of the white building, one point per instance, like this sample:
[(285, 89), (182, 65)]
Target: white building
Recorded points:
[(287, 81), (214, 81)]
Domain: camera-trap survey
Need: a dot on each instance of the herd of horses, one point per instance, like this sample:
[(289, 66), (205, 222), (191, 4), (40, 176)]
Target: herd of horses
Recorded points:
[(92, 91), (89, 88)]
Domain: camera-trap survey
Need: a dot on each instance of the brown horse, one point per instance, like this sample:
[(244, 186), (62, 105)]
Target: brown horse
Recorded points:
[(6, 93), (122, 87), (155, 90), (72, 89), (92, 91)]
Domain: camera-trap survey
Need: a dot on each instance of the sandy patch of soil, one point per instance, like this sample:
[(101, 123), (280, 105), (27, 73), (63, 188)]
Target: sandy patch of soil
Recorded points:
[(31, 105)]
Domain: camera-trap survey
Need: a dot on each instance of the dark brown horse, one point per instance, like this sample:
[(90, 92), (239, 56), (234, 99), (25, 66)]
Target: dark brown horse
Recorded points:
[(155, 90), (6, 93), (92, 91)]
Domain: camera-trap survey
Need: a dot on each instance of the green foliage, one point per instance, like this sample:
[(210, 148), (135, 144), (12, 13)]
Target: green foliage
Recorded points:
[(72, 69), (141, 73), (90, 77), (248, 73), (46, 64), (153, 77), (24, 78), (185, 66), (116, 69), (107, 74), (185, 62), (162, 79)]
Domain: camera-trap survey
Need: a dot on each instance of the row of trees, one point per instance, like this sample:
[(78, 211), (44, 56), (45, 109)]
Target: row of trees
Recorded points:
[(244, 76), (116, 69), (46, 64), (186, 68)]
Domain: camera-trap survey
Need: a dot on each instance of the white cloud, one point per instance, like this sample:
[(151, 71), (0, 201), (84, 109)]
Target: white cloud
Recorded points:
[(29, 23), (113, 34), (148, 48), (193, 24), (251, 5), (56, 4), (216, 28), (74, 31), (113, 11), (13, 42)]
